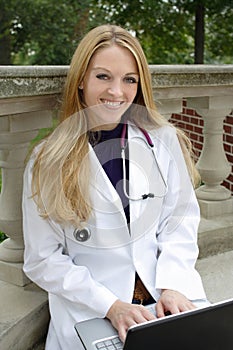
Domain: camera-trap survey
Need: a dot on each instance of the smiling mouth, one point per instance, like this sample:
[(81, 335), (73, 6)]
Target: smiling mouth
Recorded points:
[(112, 104)]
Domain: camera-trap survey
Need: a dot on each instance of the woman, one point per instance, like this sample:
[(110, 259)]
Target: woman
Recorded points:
[(103, 233)]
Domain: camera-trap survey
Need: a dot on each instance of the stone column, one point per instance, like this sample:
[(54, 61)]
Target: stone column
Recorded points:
[(28, 101), (17, 130), (213, 166)]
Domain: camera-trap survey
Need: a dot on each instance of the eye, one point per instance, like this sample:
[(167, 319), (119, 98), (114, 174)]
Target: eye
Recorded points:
[(102, 76), (130, 80)]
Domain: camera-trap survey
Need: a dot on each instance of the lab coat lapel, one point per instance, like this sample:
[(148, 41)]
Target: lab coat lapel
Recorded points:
[(108, 222), (103, 193), (141, 162), (143, 179)]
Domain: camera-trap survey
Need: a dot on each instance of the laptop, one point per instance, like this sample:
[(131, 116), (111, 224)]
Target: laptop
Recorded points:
[(204, 328)]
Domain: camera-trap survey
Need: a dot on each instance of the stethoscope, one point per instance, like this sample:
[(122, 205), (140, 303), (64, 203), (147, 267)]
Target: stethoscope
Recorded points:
[(149, 142), (84, 234)]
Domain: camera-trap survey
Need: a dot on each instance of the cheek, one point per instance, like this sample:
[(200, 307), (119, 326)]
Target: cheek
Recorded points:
[(132, 93), (90, 93)]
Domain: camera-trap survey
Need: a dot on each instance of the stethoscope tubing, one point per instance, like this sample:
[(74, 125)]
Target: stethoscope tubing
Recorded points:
[(150, 145)]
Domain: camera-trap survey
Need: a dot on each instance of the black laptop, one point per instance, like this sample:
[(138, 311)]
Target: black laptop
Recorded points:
[(204, 328)]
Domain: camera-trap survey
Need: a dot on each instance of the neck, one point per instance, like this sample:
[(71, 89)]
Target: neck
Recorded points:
[(105, 127)]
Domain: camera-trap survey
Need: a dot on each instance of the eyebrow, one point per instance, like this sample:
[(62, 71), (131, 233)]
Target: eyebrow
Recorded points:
[(107, 70)]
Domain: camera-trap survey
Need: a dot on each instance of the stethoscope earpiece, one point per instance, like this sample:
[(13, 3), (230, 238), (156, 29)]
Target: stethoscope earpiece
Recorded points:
[(82, 235)]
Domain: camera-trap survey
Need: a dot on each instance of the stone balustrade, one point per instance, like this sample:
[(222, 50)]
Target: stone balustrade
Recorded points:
[(29, 99), (30, 95), (209, 90)]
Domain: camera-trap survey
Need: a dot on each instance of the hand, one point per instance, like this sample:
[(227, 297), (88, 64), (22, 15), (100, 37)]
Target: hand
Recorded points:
[(173, 302), (123, 315)]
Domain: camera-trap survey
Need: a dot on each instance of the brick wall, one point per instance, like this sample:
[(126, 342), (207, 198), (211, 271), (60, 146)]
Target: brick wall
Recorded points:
[(192, 124), (228, 146)]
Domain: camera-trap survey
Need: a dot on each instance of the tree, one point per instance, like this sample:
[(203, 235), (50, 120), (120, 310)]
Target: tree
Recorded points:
[(199, 37), (6, 15), (41, 31), (177, 31), (212, 14), (219, 32), (47, 31), (157, 24)]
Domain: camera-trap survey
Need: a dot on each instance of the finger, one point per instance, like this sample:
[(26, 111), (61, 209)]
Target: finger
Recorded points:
[(122, 333), (173, 309), (160, 312), (163, 311), (142, 314), (187, 306), (177, 308), (147, 314), (192, 306)]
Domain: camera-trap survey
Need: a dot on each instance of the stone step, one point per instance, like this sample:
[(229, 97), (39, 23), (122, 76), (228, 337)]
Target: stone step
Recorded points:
[(217, 275), (24, 316), (215, 235), (40, 346)]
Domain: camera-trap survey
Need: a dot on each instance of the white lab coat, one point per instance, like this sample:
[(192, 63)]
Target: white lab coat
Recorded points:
[(84, 279)]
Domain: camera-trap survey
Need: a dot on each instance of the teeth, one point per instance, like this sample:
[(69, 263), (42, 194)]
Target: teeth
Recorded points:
[(111, 103)]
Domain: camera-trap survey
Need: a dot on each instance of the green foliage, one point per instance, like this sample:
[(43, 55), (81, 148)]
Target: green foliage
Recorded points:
[(46, 32), (166, 28), (163, 29), (2, 237)]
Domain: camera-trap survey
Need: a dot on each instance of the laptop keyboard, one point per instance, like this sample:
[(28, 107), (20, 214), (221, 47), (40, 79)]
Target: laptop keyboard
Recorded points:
[(109, 344), (114, 343)]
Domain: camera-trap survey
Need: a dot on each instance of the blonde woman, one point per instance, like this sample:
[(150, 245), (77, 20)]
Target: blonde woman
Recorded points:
[(110, 214)]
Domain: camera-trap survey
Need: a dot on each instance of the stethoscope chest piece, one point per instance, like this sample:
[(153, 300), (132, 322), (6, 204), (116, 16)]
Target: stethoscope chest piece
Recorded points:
[(82, 235)]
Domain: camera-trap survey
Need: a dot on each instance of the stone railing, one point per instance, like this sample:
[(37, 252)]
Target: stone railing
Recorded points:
[(29, 97), (209, 90)]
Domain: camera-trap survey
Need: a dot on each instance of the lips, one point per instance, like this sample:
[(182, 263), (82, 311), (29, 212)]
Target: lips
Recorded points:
[(112, 104)]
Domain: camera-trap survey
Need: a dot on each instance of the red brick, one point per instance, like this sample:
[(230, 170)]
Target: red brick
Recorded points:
[(228, 129), (229, 138), (198, 130), (194, 121)]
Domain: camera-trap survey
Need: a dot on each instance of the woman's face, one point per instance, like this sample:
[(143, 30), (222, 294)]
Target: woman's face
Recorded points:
[(110, 86)]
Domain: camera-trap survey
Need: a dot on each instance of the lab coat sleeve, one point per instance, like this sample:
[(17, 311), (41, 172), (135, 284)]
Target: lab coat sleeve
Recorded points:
[(46, 264), (178, 227)]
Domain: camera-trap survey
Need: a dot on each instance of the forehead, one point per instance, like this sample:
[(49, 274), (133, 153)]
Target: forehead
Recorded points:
[(114, 56)]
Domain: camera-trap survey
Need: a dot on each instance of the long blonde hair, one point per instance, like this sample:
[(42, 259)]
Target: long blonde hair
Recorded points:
[(60, 182)]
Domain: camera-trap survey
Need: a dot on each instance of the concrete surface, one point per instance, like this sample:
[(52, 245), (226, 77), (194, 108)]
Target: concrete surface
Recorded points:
[(24, 316), (217, 275)]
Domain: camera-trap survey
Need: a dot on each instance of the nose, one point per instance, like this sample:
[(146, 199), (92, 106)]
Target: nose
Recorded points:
[(115, 88)]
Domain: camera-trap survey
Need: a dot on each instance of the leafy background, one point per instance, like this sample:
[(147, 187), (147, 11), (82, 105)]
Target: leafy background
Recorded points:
[(46, 32)]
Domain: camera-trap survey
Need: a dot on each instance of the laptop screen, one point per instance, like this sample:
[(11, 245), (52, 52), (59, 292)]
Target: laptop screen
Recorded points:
[(209, 328)]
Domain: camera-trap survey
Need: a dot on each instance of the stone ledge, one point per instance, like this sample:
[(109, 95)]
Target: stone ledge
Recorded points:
[(37, 80), (13, 273), (217, 276), (24, 316), (18, 81), (215, 235)]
